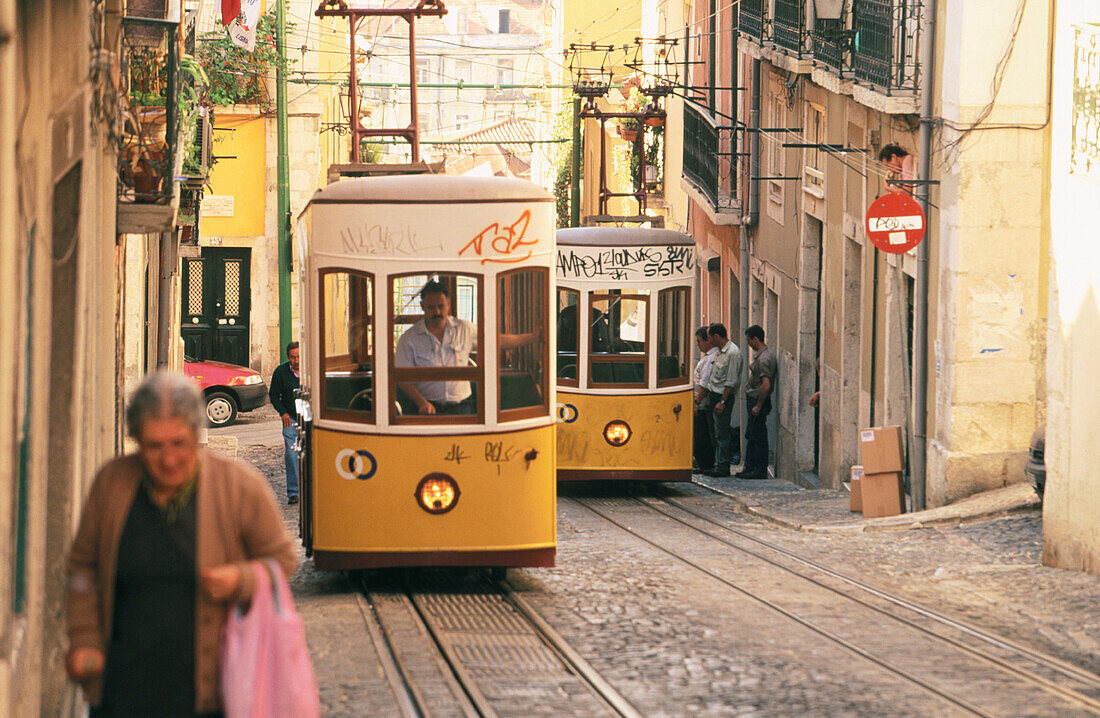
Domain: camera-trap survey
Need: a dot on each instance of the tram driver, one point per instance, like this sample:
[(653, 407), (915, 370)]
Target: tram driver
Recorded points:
[(441, 339)]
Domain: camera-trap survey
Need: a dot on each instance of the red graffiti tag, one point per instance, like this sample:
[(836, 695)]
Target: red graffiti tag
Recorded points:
[(503, 241)]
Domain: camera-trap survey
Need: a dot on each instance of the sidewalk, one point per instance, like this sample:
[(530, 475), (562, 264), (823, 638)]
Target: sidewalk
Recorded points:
[(826, 510)]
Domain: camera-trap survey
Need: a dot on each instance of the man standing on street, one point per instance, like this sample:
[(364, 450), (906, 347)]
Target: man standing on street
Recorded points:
[(704, 447), (722, 385), (762, 374), (284, 382)]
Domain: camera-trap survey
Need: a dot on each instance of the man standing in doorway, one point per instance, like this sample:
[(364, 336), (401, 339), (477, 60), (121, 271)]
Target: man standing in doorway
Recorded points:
[(704, 447), (725, 378), (284, 381), (762, 374)]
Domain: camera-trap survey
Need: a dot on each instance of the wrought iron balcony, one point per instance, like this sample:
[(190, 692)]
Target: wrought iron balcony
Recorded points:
[(148, 146), (789, 26), (708, 155), (887, 35), (752, 18), (831, 41)]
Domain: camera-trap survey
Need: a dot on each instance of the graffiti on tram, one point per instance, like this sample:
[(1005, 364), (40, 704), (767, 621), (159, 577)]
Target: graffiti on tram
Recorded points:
[(626, 263)]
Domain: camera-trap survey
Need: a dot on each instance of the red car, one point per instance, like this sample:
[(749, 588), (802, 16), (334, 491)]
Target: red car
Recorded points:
[(227, 388)]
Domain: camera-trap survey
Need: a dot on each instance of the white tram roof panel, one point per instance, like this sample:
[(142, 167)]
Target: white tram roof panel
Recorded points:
[(620, 237), (429, 189), (616, 255)]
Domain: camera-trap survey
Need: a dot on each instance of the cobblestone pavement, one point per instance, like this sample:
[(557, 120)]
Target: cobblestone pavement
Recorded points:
[(676, 643)]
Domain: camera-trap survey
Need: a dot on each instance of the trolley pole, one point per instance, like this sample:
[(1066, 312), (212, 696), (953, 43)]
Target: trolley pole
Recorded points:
[(282, 218), (575, 170)]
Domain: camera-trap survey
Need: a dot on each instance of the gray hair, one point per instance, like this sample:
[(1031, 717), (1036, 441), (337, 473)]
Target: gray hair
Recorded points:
[(165, 395)]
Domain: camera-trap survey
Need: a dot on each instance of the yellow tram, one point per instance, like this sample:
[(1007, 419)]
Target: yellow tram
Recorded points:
[(624, 381), (428, 427)]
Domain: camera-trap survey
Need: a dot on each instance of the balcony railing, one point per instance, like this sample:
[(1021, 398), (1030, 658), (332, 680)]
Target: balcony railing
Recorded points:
[(831, 40), (708, 151), (875, 41), (789, 25), (886, 42), (751, 18)]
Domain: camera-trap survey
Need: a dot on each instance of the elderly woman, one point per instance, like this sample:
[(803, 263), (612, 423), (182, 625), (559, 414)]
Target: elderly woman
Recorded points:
[(164, 543)]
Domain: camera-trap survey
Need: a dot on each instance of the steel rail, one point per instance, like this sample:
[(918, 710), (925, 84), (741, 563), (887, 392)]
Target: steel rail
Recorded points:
[(1064, 667), (465, 680), (848, 645), (411, 701), (603, 690), (1049, 662)]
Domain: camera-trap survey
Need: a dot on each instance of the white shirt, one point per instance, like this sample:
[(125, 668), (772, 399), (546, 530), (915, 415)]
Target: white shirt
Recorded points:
[(418, 347), (725, 370), (702, 369)]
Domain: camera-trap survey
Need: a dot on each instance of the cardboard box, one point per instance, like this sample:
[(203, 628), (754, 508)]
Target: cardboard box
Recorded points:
[(855, 499), (881, 494), (880, 449)]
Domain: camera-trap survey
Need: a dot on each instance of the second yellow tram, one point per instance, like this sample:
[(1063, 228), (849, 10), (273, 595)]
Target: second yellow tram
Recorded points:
[(624, 402)]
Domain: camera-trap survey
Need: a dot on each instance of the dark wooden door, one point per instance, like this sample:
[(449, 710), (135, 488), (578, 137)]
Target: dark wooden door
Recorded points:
[(216, 305)]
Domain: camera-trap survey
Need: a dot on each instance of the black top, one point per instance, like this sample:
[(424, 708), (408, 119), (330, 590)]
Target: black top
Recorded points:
[(283, 384), (150, 667)]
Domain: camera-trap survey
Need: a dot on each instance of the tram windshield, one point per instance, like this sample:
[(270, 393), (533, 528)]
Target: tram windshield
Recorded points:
[(672, 336), (618, 335), (521, 341), (568, 333), (436, 320), (347, 345)]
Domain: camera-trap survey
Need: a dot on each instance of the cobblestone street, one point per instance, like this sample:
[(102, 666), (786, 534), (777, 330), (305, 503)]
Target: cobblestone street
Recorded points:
[(677, 640)]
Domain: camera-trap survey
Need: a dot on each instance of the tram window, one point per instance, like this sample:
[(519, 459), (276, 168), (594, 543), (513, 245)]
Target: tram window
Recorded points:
[(618, 335), (521, 342), (347, 345), (568, 336), (672, 336), (434, 348)]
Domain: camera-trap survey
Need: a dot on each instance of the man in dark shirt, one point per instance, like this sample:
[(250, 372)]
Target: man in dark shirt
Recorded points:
[(284, 381), (758, 391)]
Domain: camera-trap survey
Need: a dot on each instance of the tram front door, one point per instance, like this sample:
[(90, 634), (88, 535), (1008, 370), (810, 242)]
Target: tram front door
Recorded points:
[(216, 306)]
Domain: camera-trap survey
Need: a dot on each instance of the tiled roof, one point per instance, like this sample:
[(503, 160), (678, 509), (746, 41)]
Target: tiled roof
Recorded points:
[(511, 133)]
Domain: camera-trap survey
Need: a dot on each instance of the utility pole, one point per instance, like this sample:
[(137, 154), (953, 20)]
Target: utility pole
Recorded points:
[(575, 169), (282, 201)]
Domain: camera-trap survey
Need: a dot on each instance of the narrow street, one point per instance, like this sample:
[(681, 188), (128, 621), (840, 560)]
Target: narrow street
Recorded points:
[(686, 604)]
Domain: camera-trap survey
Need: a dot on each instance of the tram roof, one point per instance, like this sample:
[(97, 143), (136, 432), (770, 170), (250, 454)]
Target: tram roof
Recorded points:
[(429, 189), (620, 237)]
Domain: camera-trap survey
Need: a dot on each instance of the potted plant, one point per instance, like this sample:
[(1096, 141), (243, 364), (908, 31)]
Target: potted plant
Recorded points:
[(629, 127)]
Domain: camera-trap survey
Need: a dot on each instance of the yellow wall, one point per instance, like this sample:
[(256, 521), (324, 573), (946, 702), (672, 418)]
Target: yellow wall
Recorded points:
[(241, 146)]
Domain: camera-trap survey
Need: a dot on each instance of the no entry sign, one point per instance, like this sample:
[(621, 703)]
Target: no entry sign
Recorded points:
[(895, 223)]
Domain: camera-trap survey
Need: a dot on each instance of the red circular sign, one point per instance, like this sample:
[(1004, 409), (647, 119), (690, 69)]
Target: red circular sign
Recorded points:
[(895, 223)]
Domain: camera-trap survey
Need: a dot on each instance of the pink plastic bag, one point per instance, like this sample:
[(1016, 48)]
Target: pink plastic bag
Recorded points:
[(266, 669)]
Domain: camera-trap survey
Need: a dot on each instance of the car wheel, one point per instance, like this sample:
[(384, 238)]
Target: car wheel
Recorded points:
[(221, 408)]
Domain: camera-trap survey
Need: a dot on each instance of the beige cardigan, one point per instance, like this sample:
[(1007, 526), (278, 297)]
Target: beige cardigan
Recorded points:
[(237, 520)]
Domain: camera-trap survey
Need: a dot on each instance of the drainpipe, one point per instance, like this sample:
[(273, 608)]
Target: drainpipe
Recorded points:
[(754, 150), (749, 223), (918, 452), (167, 260), (282, 209)]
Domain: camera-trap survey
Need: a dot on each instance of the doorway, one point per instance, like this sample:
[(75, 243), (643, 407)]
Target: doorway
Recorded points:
[(216, 305)]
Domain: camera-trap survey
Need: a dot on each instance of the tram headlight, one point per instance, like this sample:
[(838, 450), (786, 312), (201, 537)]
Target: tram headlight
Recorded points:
[(617, 432), (437, 493)]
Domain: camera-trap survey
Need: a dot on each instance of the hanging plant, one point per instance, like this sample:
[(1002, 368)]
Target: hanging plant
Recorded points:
[(236, 75), (630, 126)]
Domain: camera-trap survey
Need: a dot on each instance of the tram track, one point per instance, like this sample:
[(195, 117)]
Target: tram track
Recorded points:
[(1041, 674), (479, 650)]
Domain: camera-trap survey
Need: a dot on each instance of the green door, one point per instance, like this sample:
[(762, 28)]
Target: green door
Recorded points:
[(216, 305)]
